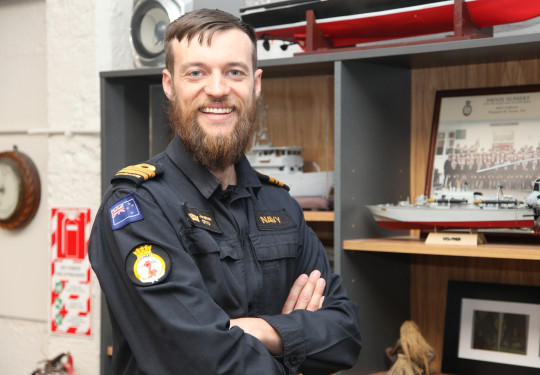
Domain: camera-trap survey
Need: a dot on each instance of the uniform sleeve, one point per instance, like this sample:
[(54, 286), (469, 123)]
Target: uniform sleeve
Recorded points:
[(171, 325), (326, 340)]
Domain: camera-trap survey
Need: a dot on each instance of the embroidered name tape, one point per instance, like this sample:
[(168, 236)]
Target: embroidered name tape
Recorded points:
[(148, 264), (202, 219), (272, 220), (125, 211)]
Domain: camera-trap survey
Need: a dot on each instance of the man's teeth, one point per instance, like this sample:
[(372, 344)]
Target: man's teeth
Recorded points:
[(217, 110)]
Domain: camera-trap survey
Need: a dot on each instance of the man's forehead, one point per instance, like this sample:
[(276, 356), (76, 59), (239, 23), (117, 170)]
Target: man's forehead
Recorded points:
[(205, 38)]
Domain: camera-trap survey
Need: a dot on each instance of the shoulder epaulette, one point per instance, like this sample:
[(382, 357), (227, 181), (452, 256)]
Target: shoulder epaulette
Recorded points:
[(138, 173), (271, 180)]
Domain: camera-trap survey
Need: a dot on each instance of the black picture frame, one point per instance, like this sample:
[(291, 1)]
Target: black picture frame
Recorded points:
[(458, 291), (496, 108)]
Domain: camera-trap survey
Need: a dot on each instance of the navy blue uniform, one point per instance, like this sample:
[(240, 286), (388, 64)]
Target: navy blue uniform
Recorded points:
[(177, 257)]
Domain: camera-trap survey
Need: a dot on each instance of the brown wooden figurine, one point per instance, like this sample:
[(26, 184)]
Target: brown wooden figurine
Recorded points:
[(411, 354)]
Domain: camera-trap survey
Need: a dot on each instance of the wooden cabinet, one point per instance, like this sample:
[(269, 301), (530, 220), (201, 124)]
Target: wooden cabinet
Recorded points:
[(375, 107)]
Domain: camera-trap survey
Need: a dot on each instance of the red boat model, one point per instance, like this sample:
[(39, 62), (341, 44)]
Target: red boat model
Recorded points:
[(341, 23)]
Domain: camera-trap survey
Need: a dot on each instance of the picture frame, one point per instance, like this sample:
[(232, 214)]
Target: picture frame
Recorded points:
[(484, 138), (491, 329)]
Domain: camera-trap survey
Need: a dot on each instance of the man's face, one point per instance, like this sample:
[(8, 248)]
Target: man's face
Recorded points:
[(214, 93)]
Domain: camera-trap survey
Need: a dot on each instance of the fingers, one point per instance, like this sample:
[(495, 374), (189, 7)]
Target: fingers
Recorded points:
[(316, 294), (297, 287), (306, 293)]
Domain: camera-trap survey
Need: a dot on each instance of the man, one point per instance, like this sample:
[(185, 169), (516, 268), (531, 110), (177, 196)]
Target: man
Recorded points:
[(207, 266)]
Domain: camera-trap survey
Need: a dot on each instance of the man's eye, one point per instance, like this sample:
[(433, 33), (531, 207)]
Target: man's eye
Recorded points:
[(236, 73), (195, 74)]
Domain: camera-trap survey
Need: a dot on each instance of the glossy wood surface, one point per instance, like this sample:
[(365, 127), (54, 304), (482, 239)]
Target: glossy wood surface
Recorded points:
[(299, 111)]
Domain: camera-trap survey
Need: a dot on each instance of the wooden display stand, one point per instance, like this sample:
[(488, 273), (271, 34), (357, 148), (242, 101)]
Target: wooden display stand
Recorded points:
[(464, 28), (455, 239)]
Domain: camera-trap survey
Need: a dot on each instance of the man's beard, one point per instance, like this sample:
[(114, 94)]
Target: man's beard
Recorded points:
[(213, 152)]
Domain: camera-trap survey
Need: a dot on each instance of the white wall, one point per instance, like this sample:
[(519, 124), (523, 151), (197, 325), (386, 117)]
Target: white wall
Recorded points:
[(23, 105), (49, 81), (22, 57), (51, 53)]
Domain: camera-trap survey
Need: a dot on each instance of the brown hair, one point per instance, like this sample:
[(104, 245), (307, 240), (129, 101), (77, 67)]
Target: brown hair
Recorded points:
[(204, 23)]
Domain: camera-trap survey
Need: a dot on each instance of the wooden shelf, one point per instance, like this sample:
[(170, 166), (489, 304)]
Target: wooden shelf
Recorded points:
[(319, 215), (414, 245)]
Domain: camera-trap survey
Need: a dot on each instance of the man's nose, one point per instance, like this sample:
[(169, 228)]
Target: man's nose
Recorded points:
[(217, 86)]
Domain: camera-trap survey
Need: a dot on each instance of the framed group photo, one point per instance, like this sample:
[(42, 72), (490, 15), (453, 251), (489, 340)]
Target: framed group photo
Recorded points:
[(492, 329), (485, 138)]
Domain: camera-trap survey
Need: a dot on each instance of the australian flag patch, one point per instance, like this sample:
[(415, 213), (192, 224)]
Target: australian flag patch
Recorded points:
[(125, 211)]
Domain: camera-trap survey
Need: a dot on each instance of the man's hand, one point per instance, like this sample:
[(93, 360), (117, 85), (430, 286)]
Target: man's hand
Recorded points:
[(306, 293)]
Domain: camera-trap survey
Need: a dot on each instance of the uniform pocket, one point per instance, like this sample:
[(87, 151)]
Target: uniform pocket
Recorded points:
[(220, 262), (276, 255), (275, 246), (199, 242)]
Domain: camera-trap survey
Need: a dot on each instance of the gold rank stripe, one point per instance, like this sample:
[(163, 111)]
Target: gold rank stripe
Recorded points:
[(272, 180), (144, 171)]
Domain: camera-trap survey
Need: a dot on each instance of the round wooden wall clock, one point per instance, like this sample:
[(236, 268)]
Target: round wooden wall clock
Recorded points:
[(20, 189)]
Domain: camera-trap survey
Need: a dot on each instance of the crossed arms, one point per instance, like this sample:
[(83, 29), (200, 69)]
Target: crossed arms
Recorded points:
[(306, 294)]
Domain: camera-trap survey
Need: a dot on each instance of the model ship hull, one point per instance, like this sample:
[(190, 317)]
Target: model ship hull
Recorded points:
[(286, 165), (413, 217), (307, 184), (351, 22)]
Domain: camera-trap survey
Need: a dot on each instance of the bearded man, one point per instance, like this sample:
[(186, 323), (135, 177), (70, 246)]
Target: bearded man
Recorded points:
[(206, 266)]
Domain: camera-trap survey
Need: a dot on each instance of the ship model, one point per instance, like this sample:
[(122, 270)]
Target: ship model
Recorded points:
[(345, 23), (462, 210), (312, 190)]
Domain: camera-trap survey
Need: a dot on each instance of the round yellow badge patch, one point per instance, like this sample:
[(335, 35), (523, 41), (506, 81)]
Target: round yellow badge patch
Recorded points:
[(147, 264)]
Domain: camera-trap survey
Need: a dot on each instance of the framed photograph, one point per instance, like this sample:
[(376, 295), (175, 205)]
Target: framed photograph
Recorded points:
[(485, 138), (491, 329)]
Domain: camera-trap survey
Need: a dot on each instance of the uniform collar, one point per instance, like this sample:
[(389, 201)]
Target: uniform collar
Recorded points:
[(246, 176), (201, 177)]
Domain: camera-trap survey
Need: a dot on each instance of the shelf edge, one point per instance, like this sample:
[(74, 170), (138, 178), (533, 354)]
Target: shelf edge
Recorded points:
[(411, 245), (319, 215)]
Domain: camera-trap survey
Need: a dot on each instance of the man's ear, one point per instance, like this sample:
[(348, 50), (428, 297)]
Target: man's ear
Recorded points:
[(258, 76), (167, 83)]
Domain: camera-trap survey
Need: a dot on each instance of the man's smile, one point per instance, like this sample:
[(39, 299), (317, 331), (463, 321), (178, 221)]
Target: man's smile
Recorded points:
[(217, 111)]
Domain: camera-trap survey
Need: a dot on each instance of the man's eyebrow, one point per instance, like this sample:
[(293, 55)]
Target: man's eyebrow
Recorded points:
[(189, 65), (241, 65), (233, 64)]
